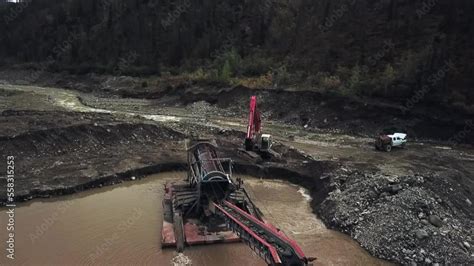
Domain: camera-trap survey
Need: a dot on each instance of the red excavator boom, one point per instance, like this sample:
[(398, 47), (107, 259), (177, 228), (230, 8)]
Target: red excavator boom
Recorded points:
[(254, 125), (254, 119)]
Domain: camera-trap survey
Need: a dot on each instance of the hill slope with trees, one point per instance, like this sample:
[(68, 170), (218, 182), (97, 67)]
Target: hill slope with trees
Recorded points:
[(413, 50)]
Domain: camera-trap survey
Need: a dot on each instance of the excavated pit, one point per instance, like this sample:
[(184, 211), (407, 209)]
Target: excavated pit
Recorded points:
[(102, 230), (384, 201)]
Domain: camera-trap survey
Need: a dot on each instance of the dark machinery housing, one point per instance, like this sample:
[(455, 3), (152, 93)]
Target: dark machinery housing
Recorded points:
[(206, 172)]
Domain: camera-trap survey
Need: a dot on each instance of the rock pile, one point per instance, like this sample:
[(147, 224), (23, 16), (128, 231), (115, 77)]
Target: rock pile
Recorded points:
[(401, 218)]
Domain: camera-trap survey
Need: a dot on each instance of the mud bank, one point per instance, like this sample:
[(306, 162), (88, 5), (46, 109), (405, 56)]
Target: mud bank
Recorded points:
[(138, 203), (387, 223), (389, 216), (72, 153), (302, 107), (394, 218), (60, 151), (405, 219), (75, 154)]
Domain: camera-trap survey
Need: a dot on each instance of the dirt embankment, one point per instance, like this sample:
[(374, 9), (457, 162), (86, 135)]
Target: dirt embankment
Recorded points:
[(78, 153), (352, 116), (420, 218), (368, 116)]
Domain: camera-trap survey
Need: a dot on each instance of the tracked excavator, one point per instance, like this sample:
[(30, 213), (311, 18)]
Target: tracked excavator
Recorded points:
[(256, 143)]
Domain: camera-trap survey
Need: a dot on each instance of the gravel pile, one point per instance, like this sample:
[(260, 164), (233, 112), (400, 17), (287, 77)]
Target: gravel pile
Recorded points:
[(401, 219), (205, 109), (202, 108)]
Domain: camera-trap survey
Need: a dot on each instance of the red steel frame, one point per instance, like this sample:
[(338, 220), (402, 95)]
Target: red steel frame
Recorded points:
[(273, 251), (270, 228)]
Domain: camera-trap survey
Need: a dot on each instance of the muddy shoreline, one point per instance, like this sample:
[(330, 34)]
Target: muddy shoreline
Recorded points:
[(323, 181), (326, 204)]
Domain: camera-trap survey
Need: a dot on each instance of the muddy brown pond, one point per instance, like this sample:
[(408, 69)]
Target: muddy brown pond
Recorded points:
[(121, 225)]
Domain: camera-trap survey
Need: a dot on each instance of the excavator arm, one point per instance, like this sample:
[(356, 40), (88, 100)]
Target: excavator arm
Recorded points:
[(254, 124)]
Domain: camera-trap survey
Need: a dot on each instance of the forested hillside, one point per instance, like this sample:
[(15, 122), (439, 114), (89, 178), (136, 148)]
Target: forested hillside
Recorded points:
[(390, 48)]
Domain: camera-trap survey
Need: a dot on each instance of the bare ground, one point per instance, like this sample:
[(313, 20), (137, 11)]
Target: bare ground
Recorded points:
[(408, 206)]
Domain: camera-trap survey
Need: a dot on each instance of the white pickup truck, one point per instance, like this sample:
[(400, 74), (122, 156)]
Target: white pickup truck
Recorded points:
[(386, 142)]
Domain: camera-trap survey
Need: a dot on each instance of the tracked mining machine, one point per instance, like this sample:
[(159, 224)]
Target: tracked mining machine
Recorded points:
[(257, 144), (210, 207)]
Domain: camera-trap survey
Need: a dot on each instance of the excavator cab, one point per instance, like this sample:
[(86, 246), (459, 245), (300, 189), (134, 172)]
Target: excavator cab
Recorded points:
[(265, 142)]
